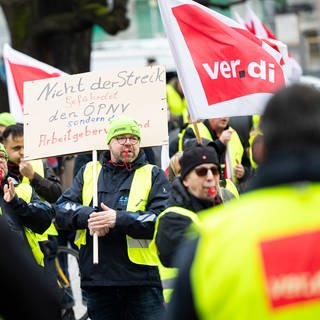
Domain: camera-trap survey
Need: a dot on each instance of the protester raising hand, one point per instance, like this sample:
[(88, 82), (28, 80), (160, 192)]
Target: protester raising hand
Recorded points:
[(9, 190)]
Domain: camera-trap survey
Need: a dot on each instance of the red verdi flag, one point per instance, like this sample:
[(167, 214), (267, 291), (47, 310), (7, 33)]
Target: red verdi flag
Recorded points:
[(224, 69)]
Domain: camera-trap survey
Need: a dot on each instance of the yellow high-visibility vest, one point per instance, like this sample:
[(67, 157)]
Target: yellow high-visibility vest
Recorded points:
[(258, 258), (168, 275), (24, 191), (138, 249), (38, 167), (177, 105)]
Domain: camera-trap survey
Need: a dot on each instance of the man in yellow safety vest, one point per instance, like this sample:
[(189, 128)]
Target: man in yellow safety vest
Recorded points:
[(131, 194), (197, 189)]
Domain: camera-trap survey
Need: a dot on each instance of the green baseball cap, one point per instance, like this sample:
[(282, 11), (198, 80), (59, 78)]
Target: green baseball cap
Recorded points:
[(122, 125), (3, 149), (6, 119)]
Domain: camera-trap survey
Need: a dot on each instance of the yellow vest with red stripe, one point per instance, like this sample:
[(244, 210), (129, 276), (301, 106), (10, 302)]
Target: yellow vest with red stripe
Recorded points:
[(258, 258), (138, 249)]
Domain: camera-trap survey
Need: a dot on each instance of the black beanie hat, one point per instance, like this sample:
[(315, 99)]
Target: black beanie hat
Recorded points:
[(196, 155)]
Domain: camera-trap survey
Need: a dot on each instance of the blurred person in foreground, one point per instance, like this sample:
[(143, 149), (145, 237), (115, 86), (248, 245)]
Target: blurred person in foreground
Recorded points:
[(259, 257), (25, 293)]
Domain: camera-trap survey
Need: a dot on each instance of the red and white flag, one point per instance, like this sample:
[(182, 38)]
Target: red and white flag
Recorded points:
[(20, 68), (257, 27), (223, 68)]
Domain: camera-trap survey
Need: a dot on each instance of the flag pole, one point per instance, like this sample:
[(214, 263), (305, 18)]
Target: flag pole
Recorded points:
[(95, 205), (196, 128)]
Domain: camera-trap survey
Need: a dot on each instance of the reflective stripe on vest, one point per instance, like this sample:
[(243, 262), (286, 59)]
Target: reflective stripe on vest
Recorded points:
[(38, 167), (168, 275), (138, 249), (24, 191)]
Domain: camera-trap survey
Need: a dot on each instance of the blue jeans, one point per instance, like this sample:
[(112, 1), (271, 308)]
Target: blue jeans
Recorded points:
[(125, 303)]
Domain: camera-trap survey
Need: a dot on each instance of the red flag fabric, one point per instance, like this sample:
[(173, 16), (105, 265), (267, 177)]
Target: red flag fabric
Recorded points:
[(292, 68), (223, 68), (20, 68), (256, 26)]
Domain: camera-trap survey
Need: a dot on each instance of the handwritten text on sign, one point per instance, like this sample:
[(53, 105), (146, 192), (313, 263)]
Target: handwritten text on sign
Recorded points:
[(71, 114)]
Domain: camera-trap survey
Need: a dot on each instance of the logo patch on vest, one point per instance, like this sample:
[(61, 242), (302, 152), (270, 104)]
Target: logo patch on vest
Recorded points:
[(292, 269), (123, 201)]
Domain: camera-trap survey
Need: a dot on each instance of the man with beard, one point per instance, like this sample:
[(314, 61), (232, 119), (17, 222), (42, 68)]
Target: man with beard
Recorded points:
[(195, 190), (131, 194)]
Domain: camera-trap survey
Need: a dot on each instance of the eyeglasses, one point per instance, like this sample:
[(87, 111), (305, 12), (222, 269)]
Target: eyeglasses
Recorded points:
[(123, 140), (3, 157), (203, 171)]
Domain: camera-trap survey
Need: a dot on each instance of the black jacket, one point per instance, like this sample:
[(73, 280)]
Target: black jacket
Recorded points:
[(17, 213), (114, 183), (25, 290), (172, 226)]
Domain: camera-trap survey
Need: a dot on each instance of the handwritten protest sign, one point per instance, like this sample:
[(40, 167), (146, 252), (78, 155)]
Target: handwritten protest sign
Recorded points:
[(70, 114)]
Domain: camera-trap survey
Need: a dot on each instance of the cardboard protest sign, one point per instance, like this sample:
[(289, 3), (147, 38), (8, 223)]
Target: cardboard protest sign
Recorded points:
[(223, 68), (70, 114)]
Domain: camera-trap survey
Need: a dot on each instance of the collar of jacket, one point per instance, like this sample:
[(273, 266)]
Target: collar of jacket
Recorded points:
[(14, 171), (288, 167)]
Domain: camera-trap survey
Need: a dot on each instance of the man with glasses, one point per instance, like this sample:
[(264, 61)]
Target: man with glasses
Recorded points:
[(131, 194), (195, 190)]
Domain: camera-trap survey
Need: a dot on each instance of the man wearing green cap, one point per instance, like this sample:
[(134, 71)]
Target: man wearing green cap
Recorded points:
[(6, 119), (131, 194)]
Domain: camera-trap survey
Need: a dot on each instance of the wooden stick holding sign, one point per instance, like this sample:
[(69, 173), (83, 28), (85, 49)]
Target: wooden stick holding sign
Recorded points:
[(95, 205), (196, 129)]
